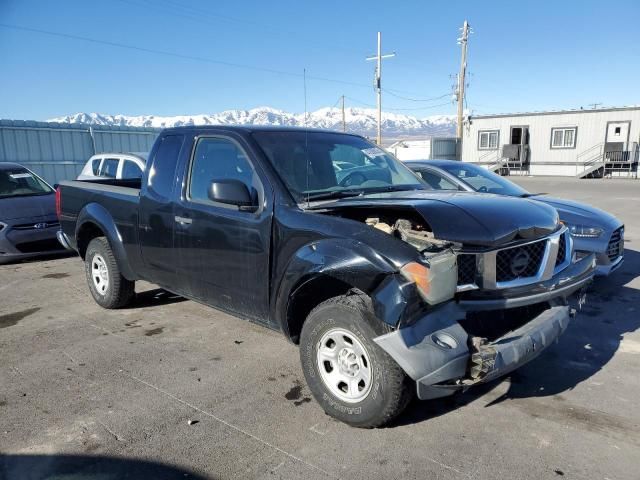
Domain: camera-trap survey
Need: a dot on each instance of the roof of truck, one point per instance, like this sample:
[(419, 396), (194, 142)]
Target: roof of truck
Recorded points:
[(253, 128)]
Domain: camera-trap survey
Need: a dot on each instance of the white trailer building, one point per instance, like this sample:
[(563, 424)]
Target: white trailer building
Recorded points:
[(572, 142)]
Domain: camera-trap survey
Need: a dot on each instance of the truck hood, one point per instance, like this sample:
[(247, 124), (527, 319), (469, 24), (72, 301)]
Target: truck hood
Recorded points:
[(27, 206), (581, 214), (469, 218)]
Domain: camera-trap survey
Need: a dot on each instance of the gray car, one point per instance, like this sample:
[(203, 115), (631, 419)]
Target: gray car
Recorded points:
[(28, 220), (592, 229)]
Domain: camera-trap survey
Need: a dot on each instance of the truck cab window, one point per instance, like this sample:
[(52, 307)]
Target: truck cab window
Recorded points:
[(217, 159), (131, 170), (162, 171), (109, 168), (95, 166)]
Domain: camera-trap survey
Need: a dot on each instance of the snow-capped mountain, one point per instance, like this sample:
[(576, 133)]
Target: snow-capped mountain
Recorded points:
[(358, 120)]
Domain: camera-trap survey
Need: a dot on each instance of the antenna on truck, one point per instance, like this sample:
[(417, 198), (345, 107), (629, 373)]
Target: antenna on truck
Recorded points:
[(306, 132)]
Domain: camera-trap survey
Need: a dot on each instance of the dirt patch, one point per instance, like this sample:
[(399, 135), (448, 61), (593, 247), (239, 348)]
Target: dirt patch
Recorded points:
[(55, 275), (295, 393), (11, 319), (153, 331)]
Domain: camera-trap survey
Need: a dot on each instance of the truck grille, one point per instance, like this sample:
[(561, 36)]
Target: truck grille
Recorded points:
[(520, 262), (616, 244), (562, 249), (466, 269)]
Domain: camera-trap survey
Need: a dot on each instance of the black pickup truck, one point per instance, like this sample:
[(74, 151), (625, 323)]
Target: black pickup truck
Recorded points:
[(390, 289)]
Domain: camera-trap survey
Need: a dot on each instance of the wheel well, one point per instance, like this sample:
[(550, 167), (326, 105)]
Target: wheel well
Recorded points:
[(87, 232), (309, 295)]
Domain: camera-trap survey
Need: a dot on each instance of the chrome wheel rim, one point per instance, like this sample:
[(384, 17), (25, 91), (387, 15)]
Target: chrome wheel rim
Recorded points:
[(99, 274), (344, 365)]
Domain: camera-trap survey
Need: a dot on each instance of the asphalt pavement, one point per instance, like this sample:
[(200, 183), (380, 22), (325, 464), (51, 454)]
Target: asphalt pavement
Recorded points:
[(172, 389)]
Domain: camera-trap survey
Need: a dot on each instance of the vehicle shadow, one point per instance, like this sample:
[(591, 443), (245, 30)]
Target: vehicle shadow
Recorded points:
[(155, 298), (590, 342), (41, 467), (41, 258)]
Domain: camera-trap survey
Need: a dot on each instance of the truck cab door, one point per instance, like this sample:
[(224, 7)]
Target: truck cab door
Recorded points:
[(156, 213), (223, 248)]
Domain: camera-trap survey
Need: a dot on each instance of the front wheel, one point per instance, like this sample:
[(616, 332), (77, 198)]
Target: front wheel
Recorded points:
[(352, 378), (107, 285)]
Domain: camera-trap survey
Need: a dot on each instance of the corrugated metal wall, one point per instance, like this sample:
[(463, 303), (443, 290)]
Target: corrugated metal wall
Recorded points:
[(58, 151)]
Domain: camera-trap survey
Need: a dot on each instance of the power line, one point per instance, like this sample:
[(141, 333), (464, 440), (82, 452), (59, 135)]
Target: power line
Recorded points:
[(365, 104), (390, 92), (179, 55)]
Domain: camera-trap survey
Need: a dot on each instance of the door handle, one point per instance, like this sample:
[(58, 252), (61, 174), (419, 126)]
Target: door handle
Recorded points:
[(183, 220)]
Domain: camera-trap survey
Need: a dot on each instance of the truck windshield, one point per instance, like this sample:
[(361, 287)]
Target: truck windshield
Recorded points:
[(320, 165), (20, 182)]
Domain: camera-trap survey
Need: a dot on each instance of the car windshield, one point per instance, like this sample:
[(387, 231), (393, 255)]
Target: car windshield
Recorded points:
[(321, 165), (20, 182), (483, 180)]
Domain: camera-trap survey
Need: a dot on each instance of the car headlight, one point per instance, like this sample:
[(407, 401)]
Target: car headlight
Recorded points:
[(584, 231), (436, 282), (2, 225)]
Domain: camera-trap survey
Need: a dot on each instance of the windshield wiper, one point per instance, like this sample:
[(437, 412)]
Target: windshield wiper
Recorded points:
[(333, 194), (527, 195)]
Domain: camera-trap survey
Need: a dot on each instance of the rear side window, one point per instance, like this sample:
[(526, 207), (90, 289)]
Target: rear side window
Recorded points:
[(217, 159), (109, 168), (163, 170), (131, 170), (95, 166)]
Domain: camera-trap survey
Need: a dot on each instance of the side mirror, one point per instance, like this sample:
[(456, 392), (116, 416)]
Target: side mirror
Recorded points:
[(232, 192)]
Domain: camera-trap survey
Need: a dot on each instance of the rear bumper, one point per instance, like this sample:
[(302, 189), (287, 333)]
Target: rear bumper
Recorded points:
[(64, 241), (444, 361)]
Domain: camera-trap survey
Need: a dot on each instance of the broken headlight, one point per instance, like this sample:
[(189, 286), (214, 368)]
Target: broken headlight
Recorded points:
[(436, 280)]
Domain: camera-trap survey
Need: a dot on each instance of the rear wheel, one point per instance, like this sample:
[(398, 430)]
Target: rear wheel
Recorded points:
[(352, 378), (107, 285)]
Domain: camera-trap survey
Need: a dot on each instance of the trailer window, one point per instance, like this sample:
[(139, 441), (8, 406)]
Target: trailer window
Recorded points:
[(563, 137), (488, 139)]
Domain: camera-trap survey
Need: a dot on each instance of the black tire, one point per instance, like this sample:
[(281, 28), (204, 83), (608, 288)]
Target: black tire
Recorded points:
[(390, 391), (117, 292)]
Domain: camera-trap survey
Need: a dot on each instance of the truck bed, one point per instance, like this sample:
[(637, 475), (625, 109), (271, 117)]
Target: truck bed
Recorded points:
[(113, 202)]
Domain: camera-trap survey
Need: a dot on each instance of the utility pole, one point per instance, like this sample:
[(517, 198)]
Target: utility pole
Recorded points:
[(466, 28), (378, 83), (344, 123)]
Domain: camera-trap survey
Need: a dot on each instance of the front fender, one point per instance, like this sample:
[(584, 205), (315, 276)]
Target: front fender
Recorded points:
[(98, 215), (348, 261)]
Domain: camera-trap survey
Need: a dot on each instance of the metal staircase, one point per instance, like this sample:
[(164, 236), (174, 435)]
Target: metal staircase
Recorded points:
[(595, 162), (590, 163)]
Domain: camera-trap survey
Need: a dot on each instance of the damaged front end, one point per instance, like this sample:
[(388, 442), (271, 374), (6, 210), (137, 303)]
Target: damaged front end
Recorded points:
[(493, 323), (442, 357)]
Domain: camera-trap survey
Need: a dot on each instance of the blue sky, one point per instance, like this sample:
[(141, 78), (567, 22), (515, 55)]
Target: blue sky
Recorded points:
[(522, 56)]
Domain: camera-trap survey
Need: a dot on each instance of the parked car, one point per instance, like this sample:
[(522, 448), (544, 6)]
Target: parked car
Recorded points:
[(28, 221), (114, 165), (374, 275), (592, 229)]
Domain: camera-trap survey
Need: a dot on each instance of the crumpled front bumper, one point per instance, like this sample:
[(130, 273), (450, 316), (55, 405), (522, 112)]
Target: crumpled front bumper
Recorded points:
[(442, 357), (440, 360)]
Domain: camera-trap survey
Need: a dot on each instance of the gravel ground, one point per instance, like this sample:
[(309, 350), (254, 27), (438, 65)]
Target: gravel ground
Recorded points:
[(172, 389)]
